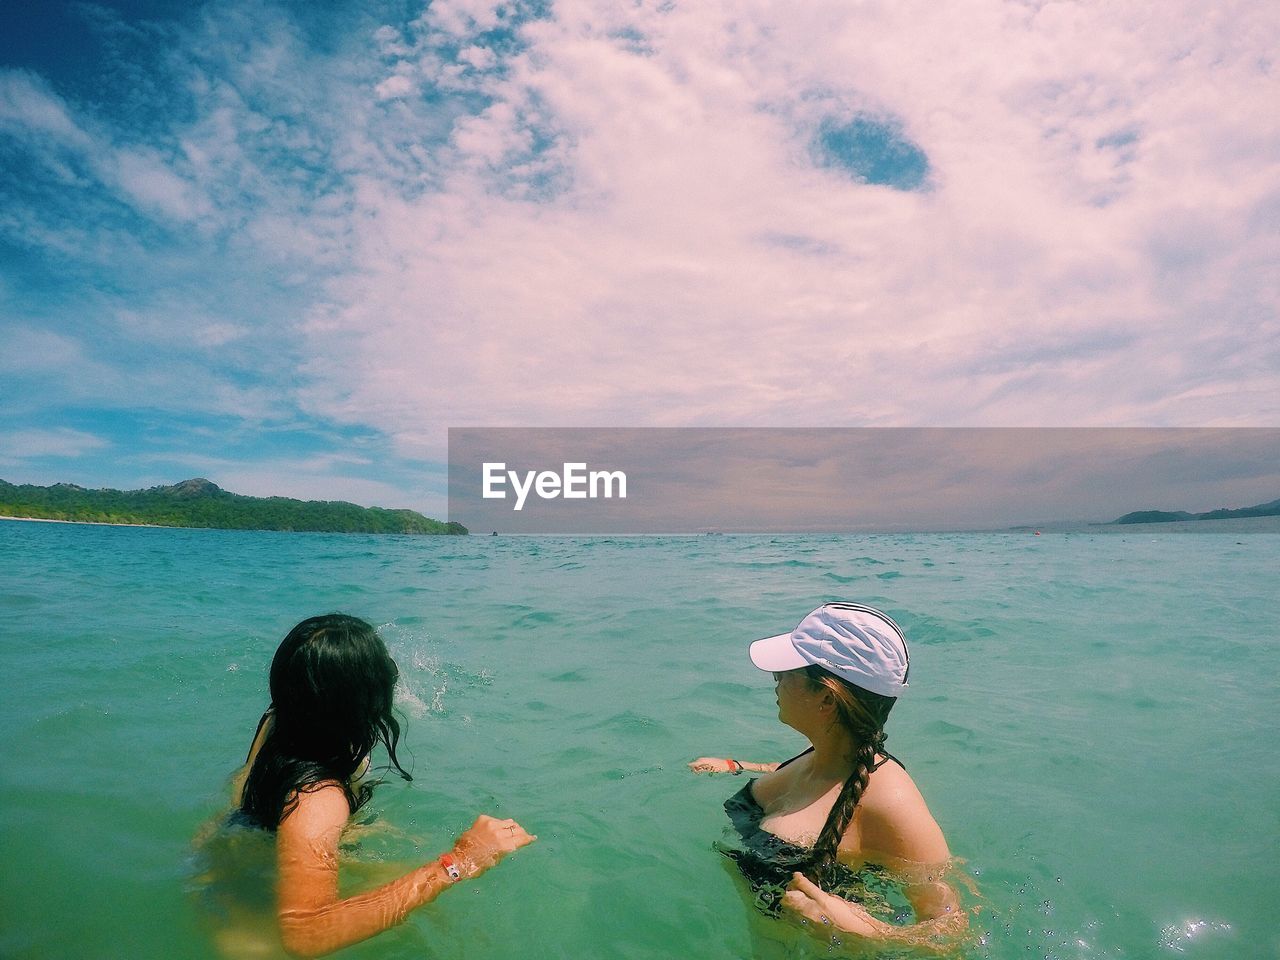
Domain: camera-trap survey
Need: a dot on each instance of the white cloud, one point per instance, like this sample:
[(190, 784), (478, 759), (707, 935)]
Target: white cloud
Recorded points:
[(396, 85), (616, 217), (139, 175), (462, 17), (1083, 205), (149, 182), (27, 104), (18, 445)]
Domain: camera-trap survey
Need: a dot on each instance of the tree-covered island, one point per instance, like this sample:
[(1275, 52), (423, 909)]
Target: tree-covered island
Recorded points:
[(202, 503), (1271, 509)]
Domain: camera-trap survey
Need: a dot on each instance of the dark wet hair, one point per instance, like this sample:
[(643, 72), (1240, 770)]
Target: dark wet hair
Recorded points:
[(863, 714), (332, 682)]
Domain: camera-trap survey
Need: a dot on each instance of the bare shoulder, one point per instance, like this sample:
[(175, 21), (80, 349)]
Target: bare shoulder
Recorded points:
[(320, 810), (307, 855), (894, 819)]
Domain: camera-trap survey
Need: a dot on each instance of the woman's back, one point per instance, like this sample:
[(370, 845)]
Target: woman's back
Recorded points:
[(332, 684)]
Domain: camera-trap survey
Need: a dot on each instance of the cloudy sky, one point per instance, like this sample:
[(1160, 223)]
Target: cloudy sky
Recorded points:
[(288, 249)]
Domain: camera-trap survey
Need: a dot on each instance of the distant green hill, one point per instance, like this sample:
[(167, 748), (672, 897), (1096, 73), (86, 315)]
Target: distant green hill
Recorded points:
[(1271, 509), (201, 503)]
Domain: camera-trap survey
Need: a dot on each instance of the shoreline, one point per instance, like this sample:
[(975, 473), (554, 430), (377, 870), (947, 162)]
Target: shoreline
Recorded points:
[(99, 523), (174, 526), (1230, 526)]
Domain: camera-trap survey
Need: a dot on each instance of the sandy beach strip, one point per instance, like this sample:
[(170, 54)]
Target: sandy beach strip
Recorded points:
[(89, 523)]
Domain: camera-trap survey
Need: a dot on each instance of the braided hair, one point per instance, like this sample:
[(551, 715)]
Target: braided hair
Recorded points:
[(863, 714)]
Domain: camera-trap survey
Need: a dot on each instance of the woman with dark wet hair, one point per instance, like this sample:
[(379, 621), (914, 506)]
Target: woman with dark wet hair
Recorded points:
[(332, 683), (845, 806)]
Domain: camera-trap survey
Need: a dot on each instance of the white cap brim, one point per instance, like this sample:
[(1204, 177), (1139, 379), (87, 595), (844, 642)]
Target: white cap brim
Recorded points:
[(777, 654)]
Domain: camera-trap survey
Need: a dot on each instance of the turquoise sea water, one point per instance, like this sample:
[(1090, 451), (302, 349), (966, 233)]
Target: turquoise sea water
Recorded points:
[(1092, 719)]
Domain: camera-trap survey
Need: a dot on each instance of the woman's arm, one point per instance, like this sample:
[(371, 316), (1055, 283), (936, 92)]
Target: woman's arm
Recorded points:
[(895, 822), (314, 921), (941, 919), (725, 765)]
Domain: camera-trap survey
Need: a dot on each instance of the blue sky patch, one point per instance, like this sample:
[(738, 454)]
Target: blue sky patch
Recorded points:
[(1121, 138), (873, 151)]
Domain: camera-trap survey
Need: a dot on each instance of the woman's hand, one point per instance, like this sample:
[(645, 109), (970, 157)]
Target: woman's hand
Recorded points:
[(486, 842), (711, 765), (314, 920), (806, 899)]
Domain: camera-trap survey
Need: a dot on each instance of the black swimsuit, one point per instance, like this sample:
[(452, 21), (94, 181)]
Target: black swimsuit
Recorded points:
[(767, 861)]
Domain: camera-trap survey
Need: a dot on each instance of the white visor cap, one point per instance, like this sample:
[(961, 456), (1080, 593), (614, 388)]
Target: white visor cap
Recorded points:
[(855, 642)]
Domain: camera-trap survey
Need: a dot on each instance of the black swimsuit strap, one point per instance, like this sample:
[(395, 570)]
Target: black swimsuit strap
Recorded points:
[(795, 758), (887, 757), (750, 792)]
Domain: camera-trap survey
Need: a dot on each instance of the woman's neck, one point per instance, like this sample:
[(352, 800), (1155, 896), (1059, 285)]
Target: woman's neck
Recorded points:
[(833, 751)]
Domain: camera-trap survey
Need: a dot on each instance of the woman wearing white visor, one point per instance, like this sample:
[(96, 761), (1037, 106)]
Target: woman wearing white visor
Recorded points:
[(813, 829)]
